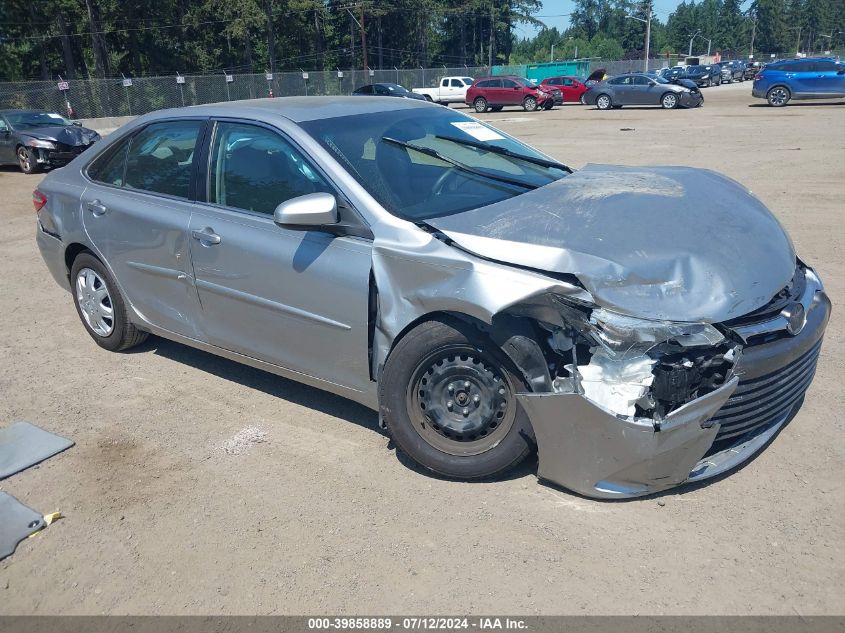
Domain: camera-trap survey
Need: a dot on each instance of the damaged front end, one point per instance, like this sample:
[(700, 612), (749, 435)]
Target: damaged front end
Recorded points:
[(637, 406), (631, 401)]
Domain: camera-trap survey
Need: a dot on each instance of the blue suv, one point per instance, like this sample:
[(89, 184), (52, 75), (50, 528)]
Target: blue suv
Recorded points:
[(815, 78)]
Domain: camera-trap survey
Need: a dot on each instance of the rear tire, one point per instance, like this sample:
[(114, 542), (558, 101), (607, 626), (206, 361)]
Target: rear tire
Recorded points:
[(101, 307), (778, 96), (447, 396), (480, 104)]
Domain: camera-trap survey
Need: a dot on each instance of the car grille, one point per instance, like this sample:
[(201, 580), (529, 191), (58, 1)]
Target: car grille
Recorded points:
[(70, 149), (761, 401)]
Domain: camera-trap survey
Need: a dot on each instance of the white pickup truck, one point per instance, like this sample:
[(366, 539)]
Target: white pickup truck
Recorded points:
[(450, 90)]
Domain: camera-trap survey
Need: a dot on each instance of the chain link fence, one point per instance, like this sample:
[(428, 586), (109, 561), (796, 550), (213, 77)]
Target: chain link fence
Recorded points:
[(95, 98)]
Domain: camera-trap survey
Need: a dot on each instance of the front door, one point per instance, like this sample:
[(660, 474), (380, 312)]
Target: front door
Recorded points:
[(298, 299), (136, 213)]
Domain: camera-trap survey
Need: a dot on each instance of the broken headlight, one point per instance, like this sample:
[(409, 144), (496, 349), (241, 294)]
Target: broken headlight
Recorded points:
[(624, 336)]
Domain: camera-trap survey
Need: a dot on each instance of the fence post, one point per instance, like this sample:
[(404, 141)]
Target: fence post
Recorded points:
[(126, 84)]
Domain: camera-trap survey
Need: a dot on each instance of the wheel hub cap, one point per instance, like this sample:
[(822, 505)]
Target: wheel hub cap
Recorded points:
[(94, 302), (462, 405)]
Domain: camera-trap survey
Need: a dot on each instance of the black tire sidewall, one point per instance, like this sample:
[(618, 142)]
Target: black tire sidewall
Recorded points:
[(114, 341), (399, 371), (478, 101), (32, 160)]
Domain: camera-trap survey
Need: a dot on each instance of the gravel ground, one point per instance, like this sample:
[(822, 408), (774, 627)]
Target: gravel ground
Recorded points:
[(310, 511)]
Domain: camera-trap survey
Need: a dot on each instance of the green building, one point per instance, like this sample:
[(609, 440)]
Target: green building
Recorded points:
[(539, 72)]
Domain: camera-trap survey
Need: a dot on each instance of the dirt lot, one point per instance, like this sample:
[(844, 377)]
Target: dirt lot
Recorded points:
[(322, 517)]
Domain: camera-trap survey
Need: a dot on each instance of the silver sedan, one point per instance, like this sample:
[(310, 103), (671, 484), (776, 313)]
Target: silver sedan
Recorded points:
[(637, 89), (639, 327)]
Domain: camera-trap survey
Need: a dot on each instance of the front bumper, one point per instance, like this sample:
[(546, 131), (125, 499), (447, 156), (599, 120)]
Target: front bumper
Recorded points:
[(593, 452), (60, 156), (691, 99)]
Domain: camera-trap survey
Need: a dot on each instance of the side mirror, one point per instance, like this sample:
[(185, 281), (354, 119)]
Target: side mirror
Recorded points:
[(310, 211)]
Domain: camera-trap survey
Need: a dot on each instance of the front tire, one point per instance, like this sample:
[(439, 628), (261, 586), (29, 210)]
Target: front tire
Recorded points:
[(669, 101), (101, 307), (448, 398), (778, 96), (529, 104), (603, 102), (480, 104), (27, 161)]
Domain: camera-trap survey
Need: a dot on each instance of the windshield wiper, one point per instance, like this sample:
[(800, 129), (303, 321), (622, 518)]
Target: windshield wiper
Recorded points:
[(435, 154), (506, 152)]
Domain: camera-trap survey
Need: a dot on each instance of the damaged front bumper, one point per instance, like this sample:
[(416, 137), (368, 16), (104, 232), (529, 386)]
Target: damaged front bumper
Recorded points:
[(594, 452)]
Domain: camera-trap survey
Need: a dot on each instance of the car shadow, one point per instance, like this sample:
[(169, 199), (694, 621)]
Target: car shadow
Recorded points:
[(271, 384), (300, 394), (801, 104)]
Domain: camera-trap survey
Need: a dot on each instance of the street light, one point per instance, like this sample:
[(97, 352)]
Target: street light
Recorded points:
[(694, 35), (647, 23), (552, 54)]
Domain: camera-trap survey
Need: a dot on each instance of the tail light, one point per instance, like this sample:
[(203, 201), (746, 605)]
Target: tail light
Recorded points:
[(758, 76), (38, 200)]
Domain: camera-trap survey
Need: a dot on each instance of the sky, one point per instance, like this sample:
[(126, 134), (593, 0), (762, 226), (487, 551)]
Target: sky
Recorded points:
[(554, 13)]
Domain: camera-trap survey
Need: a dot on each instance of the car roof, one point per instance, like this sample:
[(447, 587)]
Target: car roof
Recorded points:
[(297, 109), (13, 111)]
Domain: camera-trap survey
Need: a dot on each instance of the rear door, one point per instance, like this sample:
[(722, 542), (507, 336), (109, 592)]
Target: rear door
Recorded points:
[(298, 299), (494, 92), (136, 211), (511, 92)]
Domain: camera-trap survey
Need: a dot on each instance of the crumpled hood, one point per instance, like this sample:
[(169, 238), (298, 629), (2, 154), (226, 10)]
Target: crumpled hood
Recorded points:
[(72, 135), (673, 243)]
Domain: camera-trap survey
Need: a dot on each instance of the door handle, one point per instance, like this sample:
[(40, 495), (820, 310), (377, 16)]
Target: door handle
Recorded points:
[(97, 208), (207, 236)]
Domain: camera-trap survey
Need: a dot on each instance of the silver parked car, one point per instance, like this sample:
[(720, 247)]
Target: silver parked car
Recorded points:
[(642, 89), (642, 327)]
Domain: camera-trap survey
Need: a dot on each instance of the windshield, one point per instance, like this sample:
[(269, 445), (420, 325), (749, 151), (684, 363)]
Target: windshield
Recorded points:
[(30, 120), (396, 88), (451, 171)]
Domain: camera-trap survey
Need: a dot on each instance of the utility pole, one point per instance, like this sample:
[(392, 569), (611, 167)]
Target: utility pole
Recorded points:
[(492, 38), (363, 37), (753, 33), (647, 23)]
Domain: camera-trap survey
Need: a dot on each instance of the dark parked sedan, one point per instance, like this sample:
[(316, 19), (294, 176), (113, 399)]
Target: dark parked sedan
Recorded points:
[(704, 76), (641, 89), (386, 90), (34, 140)]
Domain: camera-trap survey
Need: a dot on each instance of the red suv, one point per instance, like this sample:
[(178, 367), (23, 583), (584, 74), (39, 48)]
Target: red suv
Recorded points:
[(494, 93), (571, 87)]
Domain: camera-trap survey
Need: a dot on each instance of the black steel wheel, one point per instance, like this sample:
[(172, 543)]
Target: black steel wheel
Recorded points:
[(448, 397)]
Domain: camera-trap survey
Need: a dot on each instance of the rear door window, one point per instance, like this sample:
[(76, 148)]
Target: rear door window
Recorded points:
[(109, 168), (161, 158)]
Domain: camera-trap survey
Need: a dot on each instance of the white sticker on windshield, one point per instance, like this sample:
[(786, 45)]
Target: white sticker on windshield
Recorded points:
[(55, 116), (478, 131)]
